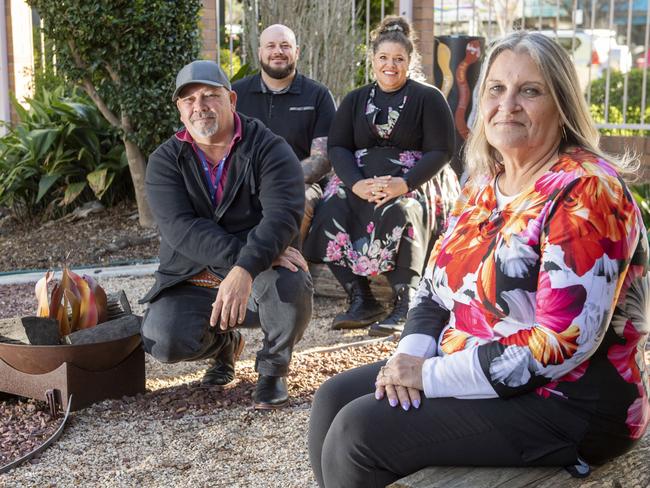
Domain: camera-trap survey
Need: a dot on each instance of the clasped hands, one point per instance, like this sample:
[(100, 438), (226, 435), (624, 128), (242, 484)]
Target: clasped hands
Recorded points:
[(380, 189), (400, 380), (229, 308)]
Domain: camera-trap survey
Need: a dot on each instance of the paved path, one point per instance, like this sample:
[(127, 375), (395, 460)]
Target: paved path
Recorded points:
[(100, 272)]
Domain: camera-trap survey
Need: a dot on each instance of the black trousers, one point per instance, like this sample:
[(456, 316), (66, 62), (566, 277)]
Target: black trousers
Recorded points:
[(358, 441), (176, 326)]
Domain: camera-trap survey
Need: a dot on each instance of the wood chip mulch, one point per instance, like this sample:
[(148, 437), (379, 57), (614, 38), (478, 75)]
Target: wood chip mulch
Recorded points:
[(111, 236), (25, 424)]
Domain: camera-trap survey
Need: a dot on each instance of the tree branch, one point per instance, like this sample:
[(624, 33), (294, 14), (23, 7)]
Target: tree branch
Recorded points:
[(91, 91), (112, 73)]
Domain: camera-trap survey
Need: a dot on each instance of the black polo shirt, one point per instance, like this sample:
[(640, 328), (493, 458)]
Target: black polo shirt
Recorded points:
[(300, 114)]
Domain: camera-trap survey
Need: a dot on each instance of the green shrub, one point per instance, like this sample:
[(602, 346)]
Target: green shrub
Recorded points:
[(62, 153), (616, 92), (224, 58), (641, 194)]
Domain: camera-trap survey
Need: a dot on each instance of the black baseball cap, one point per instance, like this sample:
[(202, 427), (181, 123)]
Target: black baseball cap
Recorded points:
[(203, 71)]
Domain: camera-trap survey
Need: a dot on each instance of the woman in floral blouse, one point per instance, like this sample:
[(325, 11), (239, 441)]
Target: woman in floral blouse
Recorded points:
[(389, 144), (529, 327)]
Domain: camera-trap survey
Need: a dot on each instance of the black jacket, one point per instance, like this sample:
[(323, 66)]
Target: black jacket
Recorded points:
[(257, 218)]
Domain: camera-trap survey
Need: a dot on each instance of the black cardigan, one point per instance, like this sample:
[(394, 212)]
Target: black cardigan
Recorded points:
[(257, 218), (425, 124)]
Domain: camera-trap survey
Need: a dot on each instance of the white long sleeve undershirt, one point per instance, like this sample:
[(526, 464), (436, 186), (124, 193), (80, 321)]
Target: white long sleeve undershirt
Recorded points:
[(419, 345), (457, 375)]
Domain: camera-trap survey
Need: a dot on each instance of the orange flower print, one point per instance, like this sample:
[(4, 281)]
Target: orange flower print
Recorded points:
[(453, 340), (588, 224)]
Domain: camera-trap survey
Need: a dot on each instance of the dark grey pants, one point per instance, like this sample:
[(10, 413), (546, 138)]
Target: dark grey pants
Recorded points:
[(356, 441), (176, 326)]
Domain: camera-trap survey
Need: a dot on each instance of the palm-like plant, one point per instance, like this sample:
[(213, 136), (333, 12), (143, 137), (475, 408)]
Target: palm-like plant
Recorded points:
[(62, 151)]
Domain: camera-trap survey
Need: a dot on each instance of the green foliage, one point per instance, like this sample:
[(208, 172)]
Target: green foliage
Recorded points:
[(62, 152), (130, 51), (616, 92), (243, 72), (641, 194), (224, 57), (375, 12)]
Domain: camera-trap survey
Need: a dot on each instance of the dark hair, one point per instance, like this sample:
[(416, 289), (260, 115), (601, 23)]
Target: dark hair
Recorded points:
[(393, 29)]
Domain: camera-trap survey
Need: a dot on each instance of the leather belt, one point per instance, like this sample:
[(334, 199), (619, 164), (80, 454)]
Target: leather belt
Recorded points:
[(206, 279)]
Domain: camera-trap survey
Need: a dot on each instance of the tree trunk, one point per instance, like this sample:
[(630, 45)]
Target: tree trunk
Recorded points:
[(137, 168)]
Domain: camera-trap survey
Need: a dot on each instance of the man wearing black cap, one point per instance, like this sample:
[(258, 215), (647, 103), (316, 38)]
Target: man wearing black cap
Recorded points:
[(293, 106), (227, 196)]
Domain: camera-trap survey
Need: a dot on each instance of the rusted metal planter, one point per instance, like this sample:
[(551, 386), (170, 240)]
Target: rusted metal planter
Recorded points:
[(87, 372)]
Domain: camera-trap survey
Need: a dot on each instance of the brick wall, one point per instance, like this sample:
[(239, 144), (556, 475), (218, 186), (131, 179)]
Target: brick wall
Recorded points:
[(209, 29), (423, 24)]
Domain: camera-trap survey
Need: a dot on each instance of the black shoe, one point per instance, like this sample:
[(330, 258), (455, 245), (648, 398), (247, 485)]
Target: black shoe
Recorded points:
[(222, 370), (363, 309), (270, 392), (394, 323)]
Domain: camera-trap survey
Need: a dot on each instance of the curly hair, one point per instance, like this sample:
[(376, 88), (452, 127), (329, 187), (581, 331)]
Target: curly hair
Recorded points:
[(394, 28)]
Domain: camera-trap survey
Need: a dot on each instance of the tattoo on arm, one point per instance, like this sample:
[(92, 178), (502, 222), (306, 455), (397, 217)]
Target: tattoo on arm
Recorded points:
[(316, 165)]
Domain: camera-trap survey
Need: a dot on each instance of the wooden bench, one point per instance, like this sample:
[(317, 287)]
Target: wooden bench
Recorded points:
[(629, 471)]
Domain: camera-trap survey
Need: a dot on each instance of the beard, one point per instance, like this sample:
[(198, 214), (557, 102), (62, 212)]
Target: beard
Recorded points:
[(208, 124), (278, 73)]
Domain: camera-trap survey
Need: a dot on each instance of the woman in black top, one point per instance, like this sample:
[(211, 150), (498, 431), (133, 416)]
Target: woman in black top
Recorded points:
[(389, 145)]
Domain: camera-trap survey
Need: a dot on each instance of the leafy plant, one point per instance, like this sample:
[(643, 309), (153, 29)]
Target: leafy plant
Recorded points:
[(224, 57), (76, 302), (62, 152), (641, 194), (243, 71), (616, 92)]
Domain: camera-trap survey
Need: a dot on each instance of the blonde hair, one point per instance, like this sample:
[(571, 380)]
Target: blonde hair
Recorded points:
[(394, 28), (560, 76)]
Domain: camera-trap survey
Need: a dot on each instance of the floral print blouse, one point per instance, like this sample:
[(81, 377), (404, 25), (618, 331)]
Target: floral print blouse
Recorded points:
[(549, 291)]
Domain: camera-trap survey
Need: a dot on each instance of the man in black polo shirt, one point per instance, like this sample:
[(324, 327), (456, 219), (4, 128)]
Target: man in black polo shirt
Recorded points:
[(293, 106)]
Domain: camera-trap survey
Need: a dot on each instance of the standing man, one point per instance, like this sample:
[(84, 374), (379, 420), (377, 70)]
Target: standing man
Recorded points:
[(293, 106), (227, 197)]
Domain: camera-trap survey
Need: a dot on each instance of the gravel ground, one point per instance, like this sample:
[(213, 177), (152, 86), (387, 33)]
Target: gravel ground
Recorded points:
[(179, 434)]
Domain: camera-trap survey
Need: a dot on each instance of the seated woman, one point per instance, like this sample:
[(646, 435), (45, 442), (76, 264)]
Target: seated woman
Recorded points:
[(389, 144), (528, 329)]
